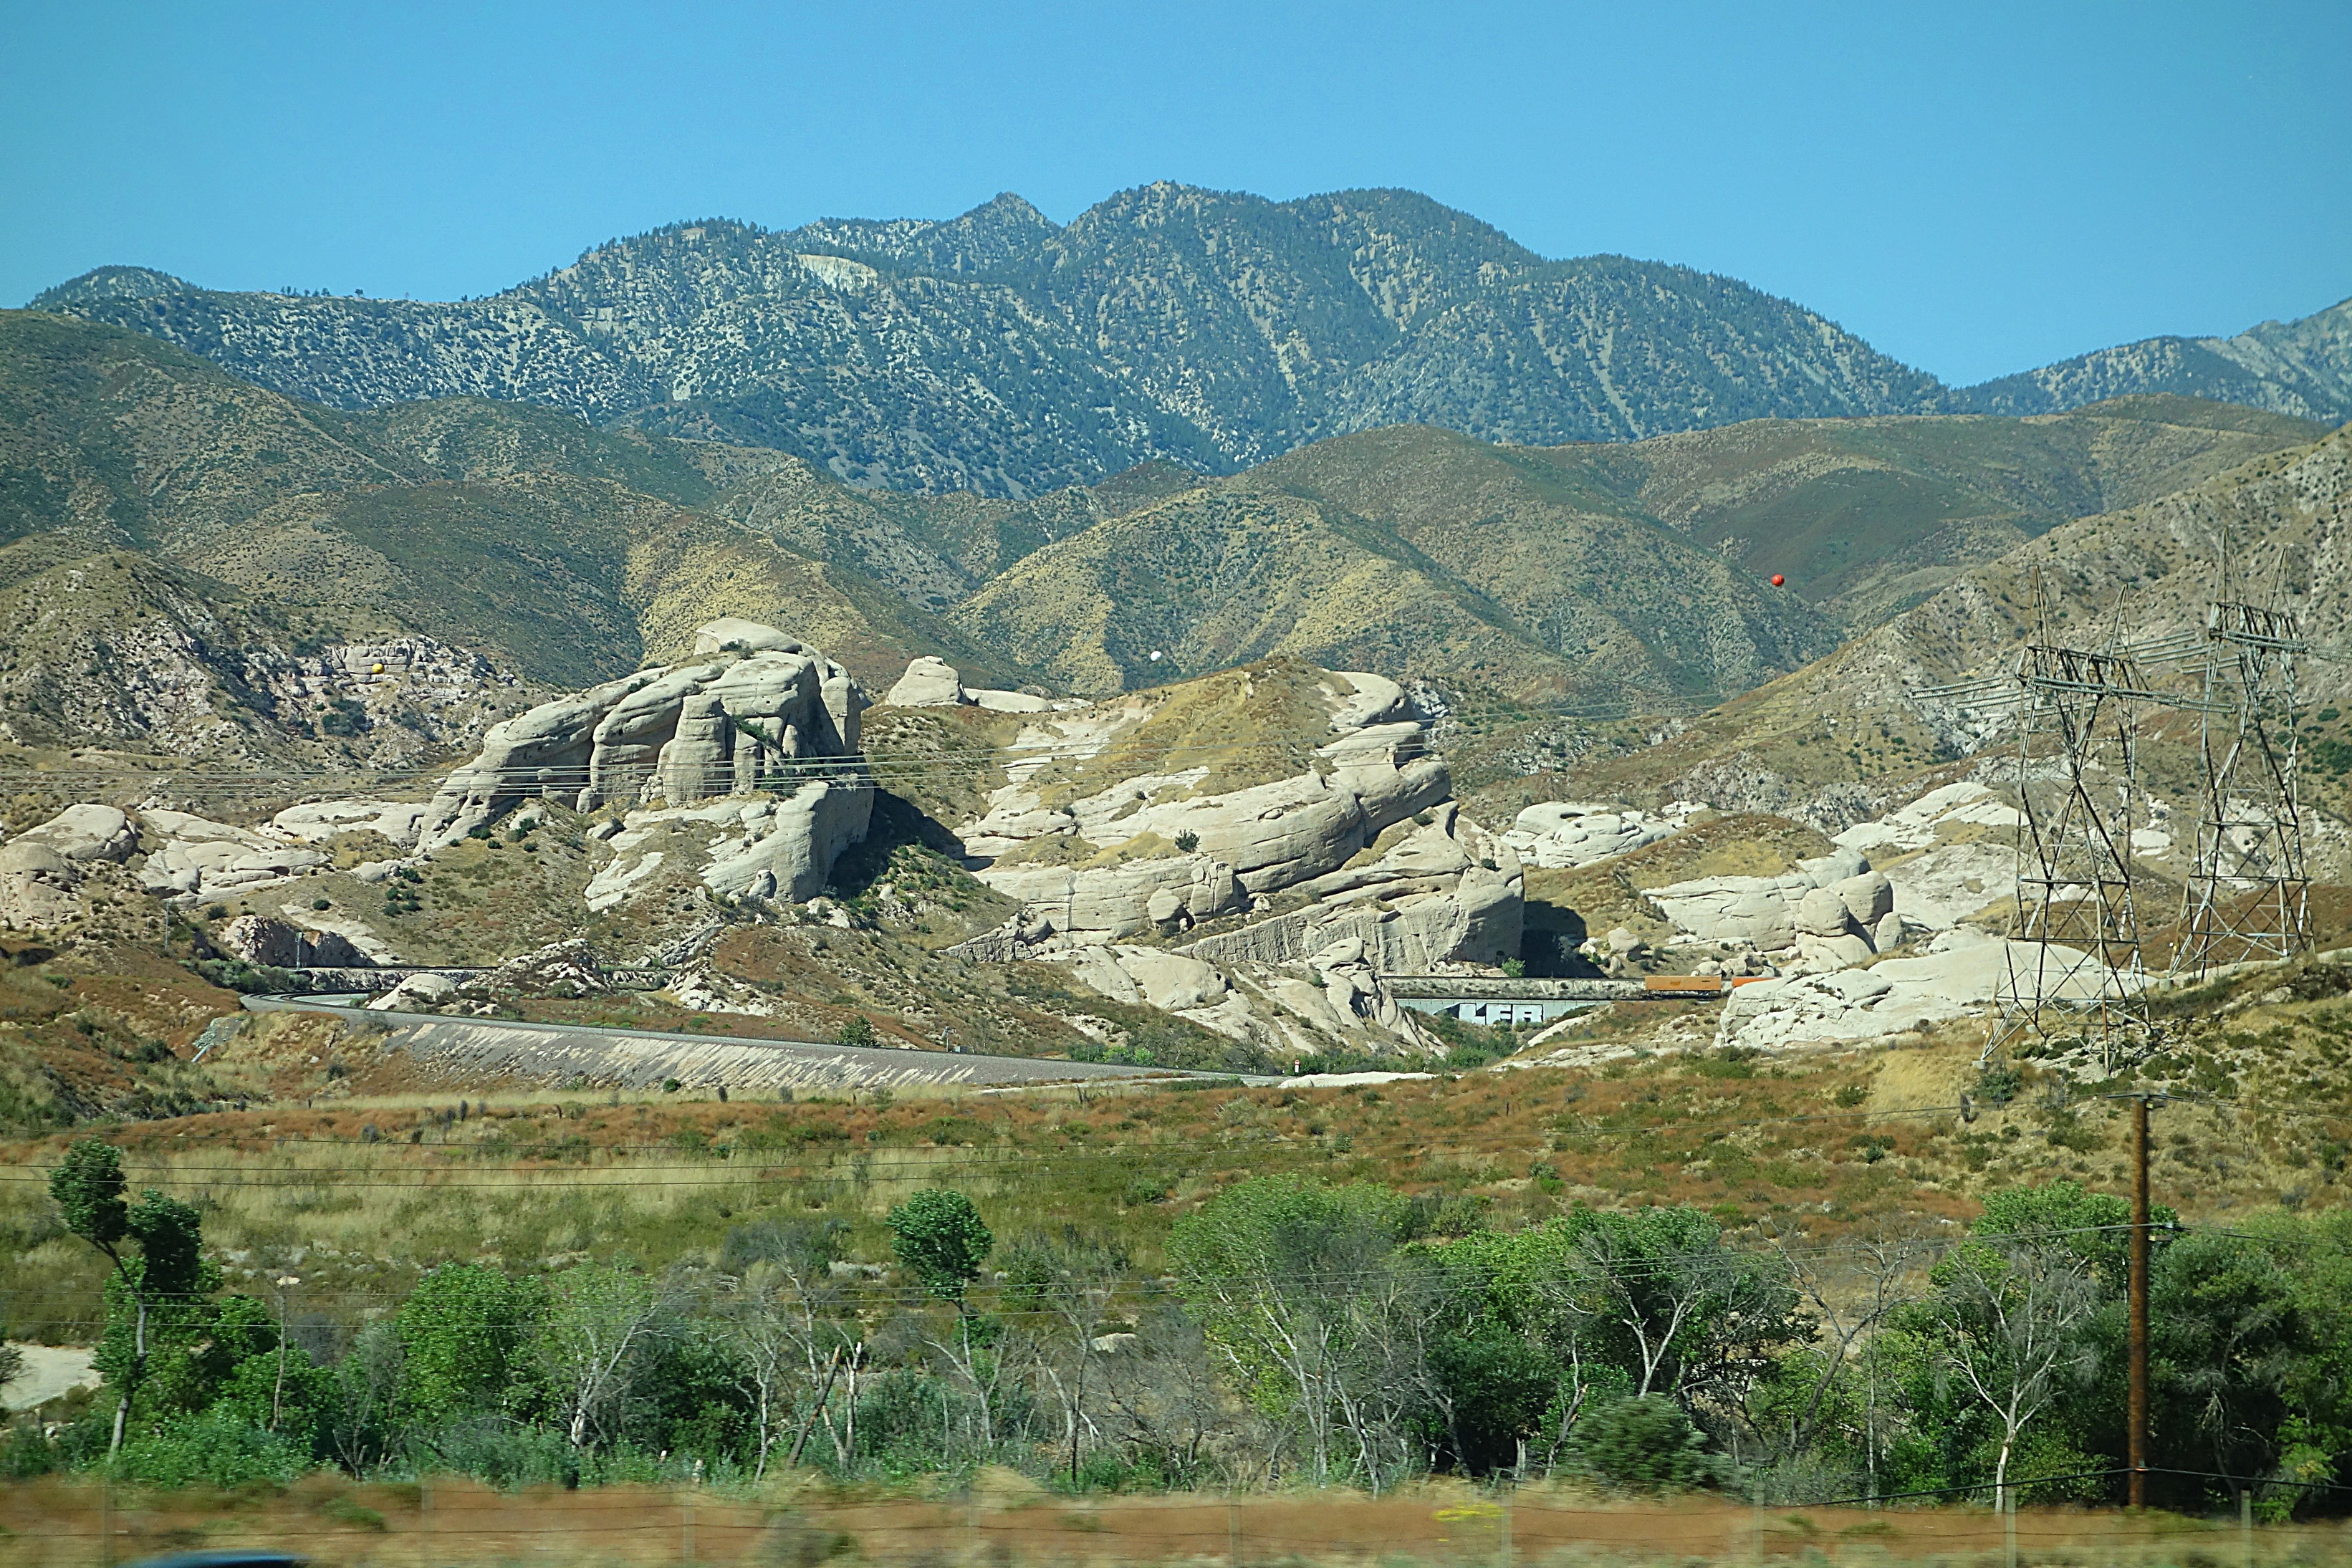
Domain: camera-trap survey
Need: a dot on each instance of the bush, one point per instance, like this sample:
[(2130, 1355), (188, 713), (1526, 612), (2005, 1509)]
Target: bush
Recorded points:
[(216, 1450), (858, 1031), (1645, 1445)]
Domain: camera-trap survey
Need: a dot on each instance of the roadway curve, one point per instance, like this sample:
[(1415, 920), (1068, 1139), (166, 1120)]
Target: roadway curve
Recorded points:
[(610, 1058)]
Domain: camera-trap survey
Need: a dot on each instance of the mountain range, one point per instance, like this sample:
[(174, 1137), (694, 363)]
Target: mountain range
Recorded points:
[(1002, 354)]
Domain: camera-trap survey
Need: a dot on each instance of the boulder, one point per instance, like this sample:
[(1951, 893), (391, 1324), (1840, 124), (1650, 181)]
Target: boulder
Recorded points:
[(417, 993), (84, 833), (927, 683), (1888, 934), (1817, 953), (1868, 898), (1098, 968), (1821, 912), (1171, 981)]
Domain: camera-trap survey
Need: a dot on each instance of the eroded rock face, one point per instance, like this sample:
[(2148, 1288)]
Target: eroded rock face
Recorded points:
[(567, 969), (39, 888), (1211, 854), (1776, 913), (259, 940), (1448, 893), (780, 848), (754, 711)]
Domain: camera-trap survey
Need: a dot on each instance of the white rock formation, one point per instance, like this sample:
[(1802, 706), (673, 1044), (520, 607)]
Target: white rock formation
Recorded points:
[(1448, 893), (1558, 835), (316, 820), (1960, 973), (755, 708), (1011, 701), (257, 939), (1259, 839), (83, 833), (194, 858), (1762, 911), (1938, 888), (1931, 818), (39, 888), (417, 993), (927, 683)]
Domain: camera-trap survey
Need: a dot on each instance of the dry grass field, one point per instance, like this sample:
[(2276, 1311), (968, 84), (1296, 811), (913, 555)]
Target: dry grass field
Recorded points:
[(1004, 1519)]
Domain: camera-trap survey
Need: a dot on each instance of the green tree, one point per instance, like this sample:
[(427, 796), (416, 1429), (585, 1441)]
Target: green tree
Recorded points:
[(941, 1238), (1683, 1312), (156, 1295), (465, 1336), (1291, 1282), (2006, 1327), (602, 1323)]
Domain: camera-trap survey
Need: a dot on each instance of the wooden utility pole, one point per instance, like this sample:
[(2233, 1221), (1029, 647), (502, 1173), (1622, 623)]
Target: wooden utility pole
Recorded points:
[(2138, 1415)]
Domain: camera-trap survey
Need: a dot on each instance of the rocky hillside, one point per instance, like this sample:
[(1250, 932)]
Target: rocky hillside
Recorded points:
[(1843, 735), (2301, 368), (997, 353)]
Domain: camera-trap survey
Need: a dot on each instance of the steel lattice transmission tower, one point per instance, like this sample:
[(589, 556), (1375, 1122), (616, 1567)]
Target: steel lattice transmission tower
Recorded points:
[(2072, 970), (2248, 894)]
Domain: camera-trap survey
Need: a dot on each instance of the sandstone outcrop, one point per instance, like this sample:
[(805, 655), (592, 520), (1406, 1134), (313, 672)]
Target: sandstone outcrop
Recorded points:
[(780, 848), (42, 869), (1960, 973), (83, 833), (196, 858), (754, 710), (417, 993), (1830, 912), (1155, 853), (1447, 893), (1556, 835), (39, 888)]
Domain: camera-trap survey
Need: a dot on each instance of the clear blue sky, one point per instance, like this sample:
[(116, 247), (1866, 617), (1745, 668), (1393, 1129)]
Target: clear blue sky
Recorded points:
[(1976, 188)]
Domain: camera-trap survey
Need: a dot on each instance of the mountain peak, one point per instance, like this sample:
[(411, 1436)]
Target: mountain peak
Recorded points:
[(105, 283)]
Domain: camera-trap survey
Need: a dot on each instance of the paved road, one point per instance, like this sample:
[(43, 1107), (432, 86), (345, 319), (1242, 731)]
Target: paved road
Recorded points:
[(642, 1059)]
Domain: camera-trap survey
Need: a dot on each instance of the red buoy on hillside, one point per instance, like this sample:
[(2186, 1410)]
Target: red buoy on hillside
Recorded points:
[(1777, 579)]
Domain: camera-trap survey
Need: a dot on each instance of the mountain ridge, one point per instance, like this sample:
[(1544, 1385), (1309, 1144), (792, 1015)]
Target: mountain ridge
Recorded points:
[(2301, 368), (998, 353)]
